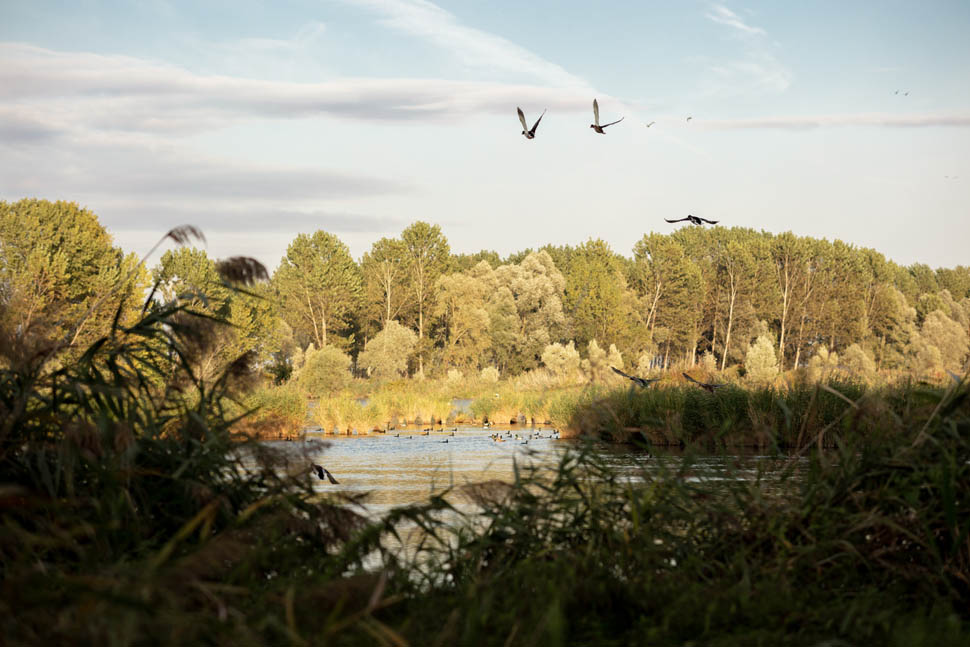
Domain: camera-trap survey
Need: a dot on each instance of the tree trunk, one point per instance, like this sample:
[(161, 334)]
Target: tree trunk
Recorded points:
[(727, 334)]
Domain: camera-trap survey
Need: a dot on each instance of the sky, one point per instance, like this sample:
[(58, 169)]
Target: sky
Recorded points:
[(258, 121)]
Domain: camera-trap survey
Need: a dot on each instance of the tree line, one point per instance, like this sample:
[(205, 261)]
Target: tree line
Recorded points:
[(410, 306)]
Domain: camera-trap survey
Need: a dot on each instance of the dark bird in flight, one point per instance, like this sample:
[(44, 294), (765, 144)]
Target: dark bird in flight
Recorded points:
[(694, 220), (703, 385), (651, 123), (596, 120), (324, 474), (529, 133), (636, 380), (689, 118)]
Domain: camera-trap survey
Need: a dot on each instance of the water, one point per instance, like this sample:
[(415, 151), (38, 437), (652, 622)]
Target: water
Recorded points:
[(399, 470), (395, 471)]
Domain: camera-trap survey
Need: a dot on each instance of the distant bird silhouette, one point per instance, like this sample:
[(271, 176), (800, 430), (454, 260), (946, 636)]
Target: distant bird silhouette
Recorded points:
[(703, 385), (639, 381), (529, 133), (896, 92), (689, 118), (694, 220), (906, 94), (651, 123), (596, 120), (324, 474)]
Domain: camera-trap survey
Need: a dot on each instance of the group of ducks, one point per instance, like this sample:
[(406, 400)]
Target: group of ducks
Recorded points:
[(644, 382), (530, 133), (523, 440)]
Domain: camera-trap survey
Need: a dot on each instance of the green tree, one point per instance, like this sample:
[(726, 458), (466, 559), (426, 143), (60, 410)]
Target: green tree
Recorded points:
[(384, 270), (562, 360), (319, 286), (60, 277), (324, 372), (760, 363), (949, 337), (427, 257), (460, 305), (189, 275), (386, 354), (597, 298)]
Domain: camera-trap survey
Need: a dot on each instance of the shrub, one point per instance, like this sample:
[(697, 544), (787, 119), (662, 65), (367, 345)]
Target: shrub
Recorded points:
[(324, 372), (760, 364), (386, 355), (490, 374), (563, 361)]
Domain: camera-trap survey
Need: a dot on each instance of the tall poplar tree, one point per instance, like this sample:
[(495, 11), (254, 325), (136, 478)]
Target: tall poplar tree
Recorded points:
[(427, 256)]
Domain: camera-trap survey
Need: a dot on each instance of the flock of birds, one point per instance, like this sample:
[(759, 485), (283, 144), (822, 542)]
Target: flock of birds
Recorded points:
[(530, 133)]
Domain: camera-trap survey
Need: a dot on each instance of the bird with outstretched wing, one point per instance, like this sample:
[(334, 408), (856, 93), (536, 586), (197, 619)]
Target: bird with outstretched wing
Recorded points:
[(324, 474), (694, 220), (640, 381), (529, 133), (704, 385), (596, 119)]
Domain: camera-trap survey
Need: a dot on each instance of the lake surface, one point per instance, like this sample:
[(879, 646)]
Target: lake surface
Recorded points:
[(399, 470)]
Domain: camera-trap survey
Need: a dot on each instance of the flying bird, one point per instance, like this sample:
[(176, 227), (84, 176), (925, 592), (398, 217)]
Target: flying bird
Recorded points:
[(596, 120), (324, 474), (689, 118), (694, 220), (651, 123), (703, 385), (529, 133), (636, 380)]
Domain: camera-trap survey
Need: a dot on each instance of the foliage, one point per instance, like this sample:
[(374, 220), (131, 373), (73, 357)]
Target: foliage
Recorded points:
[(386, 355), (490, 374), (562, 360), (325, 371), (319, 286), (760, 364), (56, 266)]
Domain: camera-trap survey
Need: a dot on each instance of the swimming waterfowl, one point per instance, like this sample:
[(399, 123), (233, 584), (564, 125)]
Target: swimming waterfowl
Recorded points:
[(703, 385), (694, 220), (529, 133), (324, 474), (639, 381), (596, 119)]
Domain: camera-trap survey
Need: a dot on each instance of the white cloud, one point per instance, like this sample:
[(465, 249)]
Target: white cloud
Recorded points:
[(53, 92), (953, 120), (474, 47), (723, 15), (758, 69)]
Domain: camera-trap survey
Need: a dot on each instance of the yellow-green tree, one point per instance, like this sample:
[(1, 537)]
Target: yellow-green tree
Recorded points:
[(319, 288)]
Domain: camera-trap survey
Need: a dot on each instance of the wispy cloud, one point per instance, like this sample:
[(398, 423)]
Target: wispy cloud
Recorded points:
[(70, 91), (952, 120), (475, 48), (723, 15), (757, 70)]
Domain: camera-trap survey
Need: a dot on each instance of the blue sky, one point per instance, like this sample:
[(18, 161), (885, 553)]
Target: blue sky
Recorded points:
[(258, 121)]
